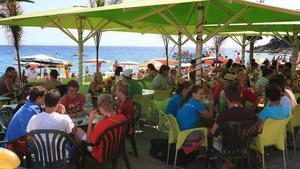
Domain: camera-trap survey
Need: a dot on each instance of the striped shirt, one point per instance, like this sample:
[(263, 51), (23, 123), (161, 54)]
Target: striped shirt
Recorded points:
[(262, 82)]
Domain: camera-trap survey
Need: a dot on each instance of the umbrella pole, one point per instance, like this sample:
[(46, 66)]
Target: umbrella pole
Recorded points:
[(80, 49), (199, 45), (179, 56)]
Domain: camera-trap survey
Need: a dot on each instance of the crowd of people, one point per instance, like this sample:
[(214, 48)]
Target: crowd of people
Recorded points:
[(232, 93)]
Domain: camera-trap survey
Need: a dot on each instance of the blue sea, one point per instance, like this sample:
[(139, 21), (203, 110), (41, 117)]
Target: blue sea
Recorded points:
[(68, 53)]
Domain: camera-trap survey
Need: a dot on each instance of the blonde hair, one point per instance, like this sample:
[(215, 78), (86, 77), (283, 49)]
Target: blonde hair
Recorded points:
[(97, 77), (106, 102), (123, 87)]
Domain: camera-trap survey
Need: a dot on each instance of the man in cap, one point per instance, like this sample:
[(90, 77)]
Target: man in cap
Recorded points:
[(134, 87)]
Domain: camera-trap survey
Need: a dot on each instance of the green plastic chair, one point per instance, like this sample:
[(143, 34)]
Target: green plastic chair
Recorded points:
[(294, 122), (66, 81), (147, 83), (161, 94), (248, 105), (221, 106), (84, 89), (273, 133), (87, 79), (160, 107), (36, 82), (178, 137), (145, 102)]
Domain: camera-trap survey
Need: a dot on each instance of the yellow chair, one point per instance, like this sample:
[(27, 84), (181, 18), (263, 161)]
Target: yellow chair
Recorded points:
[(144, 101), (294, 122), (8, 159), (178, 137), (161, 94), (160, 107), (273, 133)]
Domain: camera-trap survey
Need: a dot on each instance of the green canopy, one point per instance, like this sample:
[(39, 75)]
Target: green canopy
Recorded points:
[(3, 1)]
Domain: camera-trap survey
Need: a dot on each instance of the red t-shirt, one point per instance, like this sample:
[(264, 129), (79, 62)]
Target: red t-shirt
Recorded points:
[(73, 105), (99, 128), (126, 108), (248, 95)]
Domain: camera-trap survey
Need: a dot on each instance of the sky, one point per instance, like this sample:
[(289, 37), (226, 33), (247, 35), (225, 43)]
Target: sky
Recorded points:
[(52, 36)]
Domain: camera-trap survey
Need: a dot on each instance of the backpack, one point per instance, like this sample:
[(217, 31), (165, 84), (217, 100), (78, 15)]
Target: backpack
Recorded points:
[(159, 150)]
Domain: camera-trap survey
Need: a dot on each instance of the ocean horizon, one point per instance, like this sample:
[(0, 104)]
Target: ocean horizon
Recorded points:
[(121, 53)]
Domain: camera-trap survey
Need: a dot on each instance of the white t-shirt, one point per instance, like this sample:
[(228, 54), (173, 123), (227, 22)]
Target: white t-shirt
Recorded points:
[(51, 121)]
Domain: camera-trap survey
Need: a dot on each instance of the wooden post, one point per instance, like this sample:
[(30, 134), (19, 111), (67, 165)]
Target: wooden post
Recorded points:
[(243, 49), (295, 49), (199, 45)]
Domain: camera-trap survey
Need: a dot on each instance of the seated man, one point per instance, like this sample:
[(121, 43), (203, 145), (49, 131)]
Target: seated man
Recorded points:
[(50, 119), (17, 126), (73, 100), (274, 109), (263, 81), (53, 82), (134, 87), (7, 80), (235, 112)]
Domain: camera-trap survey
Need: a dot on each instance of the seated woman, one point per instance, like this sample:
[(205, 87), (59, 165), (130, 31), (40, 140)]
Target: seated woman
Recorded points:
[(151, 70), (124, 103), (53, 82), (96, 87), (189, 115), (160, 82), (274, 109), (106, 108), (182, 92)]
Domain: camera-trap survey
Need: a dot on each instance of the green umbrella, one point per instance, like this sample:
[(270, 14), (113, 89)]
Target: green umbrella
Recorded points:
[(3, 1)]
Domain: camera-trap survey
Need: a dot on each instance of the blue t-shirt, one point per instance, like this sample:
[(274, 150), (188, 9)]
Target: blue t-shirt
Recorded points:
[(276, 112), (18, 124), (189, 114), (174, 105)]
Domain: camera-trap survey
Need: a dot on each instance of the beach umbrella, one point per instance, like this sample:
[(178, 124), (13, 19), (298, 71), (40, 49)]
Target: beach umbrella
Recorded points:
[(164, 61), (155, 63), (41, 59), (156, 16), (129, 63), (99, 61)]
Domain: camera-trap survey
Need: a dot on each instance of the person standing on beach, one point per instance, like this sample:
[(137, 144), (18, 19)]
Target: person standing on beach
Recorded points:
[(237, 58), (30, 73)]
